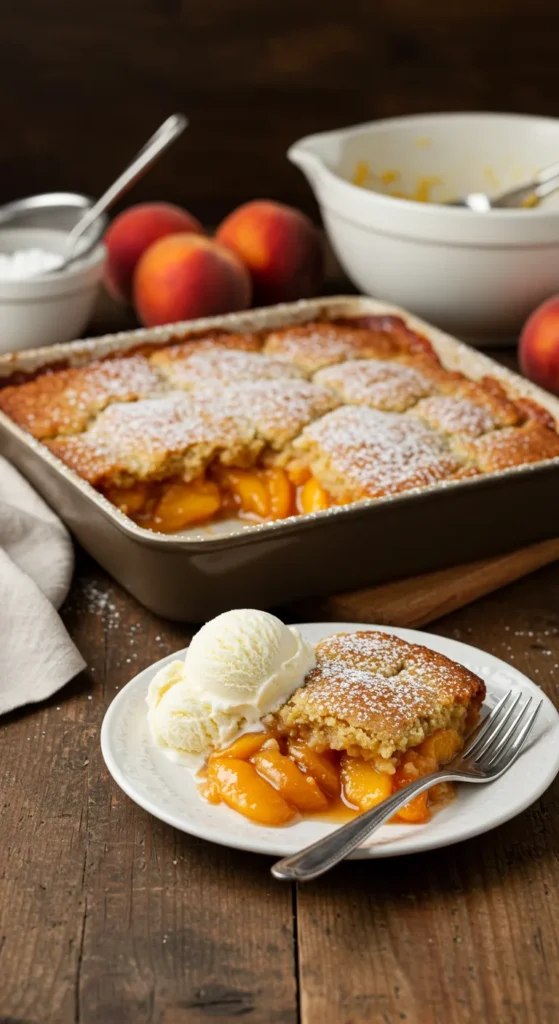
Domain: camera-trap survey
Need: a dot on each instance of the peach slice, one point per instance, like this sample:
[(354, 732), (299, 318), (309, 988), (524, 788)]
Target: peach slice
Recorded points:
[(299, 789), (249, 490), (298, 473), (243, 789), (442, 793), (280, 490), (416, 811), (183, 504), (130, 500), (363, 785), (442, 745), (210, 791), (244, 747), (313, 497), (323, 770)]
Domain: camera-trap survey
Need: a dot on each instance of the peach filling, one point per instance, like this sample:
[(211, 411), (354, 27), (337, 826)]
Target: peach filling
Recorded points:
[(271, 780), (256, 494)]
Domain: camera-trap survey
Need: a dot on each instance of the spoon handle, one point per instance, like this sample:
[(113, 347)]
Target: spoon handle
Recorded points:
[(546, 173), (538, 189), (157, 144)]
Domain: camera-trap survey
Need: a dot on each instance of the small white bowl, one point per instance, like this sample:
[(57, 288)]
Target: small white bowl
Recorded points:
[(471, 273), (48, 308)]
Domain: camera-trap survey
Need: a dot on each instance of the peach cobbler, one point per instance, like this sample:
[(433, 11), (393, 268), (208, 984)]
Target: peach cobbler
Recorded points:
[(374, 714), (271, 424)]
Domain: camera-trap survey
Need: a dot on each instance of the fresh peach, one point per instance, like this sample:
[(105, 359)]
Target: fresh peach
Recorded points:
[(539, 346), (280, 246), (181, 277), (132, 232)]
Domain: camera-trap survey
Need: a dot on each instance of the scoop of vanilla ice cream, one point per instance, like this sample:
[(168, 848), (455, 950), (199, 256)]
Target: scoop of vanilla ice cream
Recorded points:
[(239, 667), (181, 720), (247, 660), (163, 681)]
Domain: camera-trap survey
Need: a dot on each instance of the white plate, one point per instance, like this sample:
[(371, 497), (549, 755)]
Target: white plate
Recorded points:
[(168, 790)]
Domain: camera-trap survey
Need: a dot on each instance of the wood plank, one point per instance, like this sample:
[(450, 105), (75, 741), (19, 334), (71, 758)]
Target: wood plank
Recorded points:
[(421, 599), (464, 933), (42, 855), (105, 913)]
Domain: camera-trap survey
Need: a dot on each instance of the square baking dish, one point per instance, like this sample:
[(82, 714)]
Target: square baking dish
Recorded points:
[(198, 573)]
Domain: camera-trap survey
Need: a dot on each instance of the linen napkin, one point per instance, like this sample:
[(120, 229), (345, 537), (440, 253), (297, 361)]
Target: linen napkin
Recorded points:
[(37, 656)]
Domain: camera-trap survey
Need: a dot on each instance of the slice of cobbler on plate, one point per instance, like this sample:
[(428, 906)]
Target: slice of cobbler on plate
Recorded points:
[(374, 714)]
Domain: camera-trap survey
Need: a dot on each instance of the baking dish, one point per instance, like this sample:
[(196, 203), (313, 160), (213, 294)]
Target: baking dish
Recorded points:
[(198, 573)]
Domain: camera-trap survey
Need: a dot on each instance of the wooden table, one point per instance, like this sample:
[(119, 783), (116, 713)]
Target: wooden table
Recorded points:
[(108, 916)]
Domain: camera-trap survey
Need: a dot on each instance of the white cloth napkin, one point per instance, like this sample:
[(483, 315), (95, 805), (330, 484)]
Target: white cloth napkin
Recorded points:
[(37, 656)]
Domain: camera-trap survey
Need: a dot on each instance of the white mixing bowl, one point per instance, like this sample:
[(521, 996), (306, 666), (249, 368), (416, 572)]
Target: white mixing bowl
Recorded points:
[(472, 273)]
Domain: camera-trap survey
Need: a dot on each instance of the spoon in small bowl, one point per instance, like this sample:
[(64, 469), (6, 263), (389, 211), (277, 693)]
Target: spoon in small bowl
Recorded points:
[(528, 195), (149, 153)]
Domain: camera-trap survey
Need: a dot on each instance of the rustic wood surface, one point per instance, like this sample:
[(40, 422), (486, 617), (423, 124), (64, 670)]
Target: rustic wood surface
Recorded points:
[(108, 916)]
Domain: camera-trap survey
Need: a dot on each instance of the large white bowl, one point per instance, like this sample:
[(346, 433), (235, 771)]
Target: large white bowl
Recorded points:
[(48, 308), (471, 273)]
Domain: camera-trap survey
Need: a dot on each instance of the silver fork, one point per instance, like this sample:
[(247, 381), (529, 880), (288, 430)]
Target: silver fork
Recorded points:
[(492, 748)]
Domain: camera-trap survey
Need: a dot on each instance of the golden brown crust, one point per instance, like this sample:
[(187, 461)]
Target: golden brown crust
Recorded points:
[(356, 452), (378, 383), (454, 415), (203, 363), (277, 409), (488, 393), (180, 433), (374, 694), (248, 342), (405, 421), (313, 346), (511, 446), (154, 439), (65, 402)]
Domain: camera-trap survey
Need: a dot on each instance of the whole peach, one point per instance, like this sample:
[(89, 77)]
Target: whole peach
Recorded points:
[(182, 277), (132, 232), (539, 346), (280, 246)]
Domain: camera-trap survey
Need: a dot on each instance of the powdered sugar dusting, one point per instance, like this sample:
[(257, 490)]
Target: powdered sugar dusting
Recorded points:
[(237, 403), (362, 697), (213, 363), (377, 452), (114, 380), (278, 409), (65, 402), (374, 680), (153, 438), (454, 415), (376, 383), (514, 446), (167, 422), (310, 348)]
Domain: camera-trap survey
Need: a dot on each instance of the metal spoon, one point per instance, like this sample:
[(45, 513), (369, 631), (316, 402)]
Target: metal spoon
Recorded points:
[(544, 184), (149, 153)]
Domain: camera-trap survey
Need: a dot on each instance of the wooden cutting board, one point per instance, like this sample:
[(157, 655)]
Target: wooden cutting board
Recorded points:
[(421, 599)]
